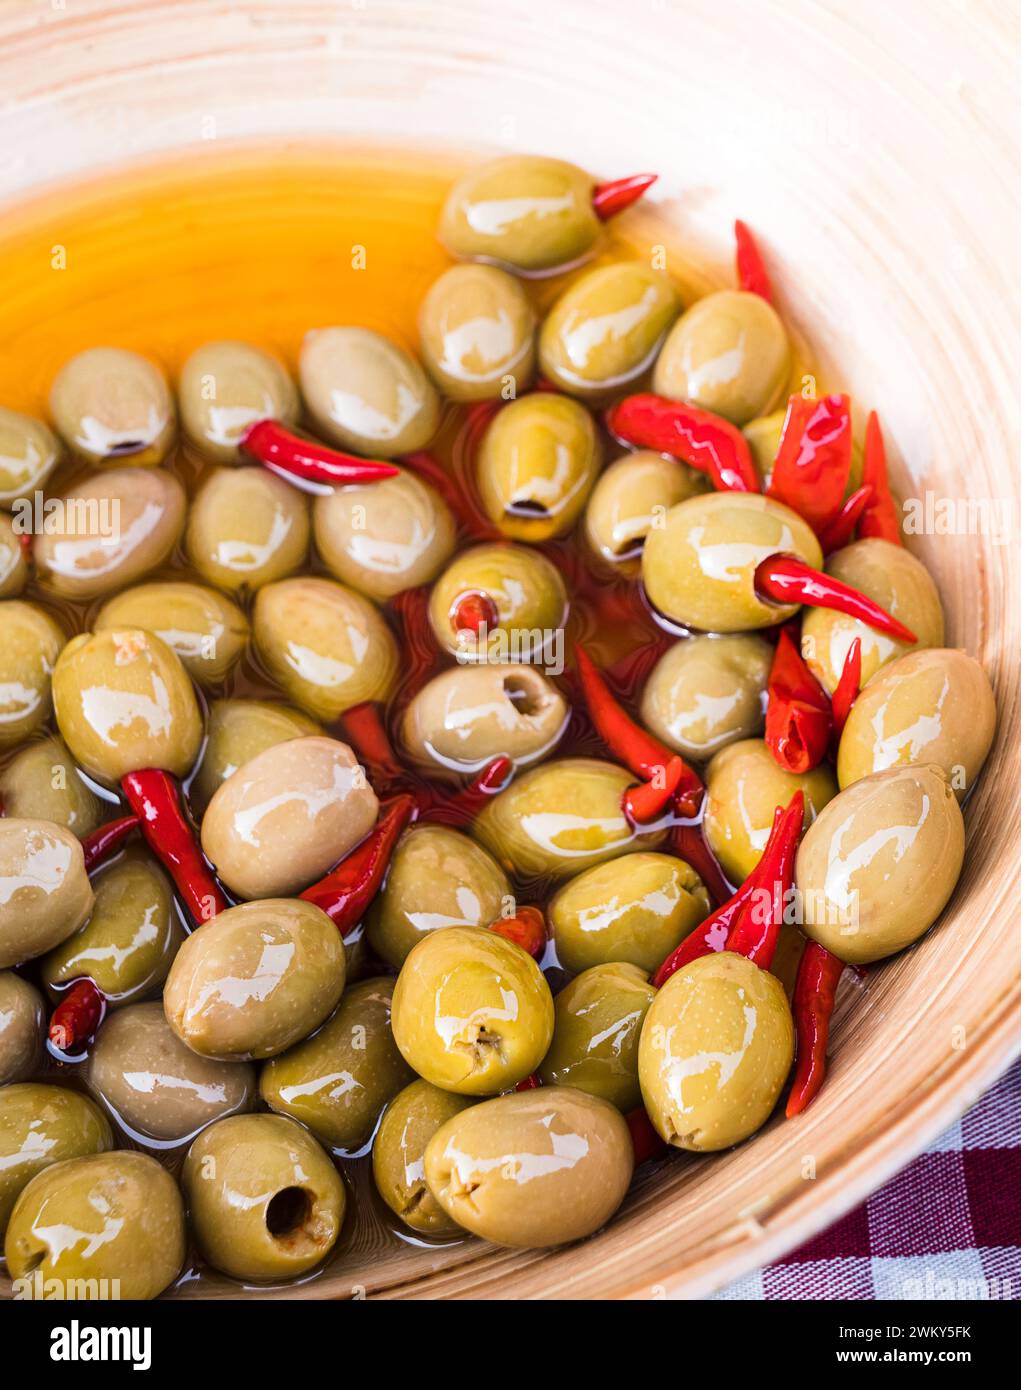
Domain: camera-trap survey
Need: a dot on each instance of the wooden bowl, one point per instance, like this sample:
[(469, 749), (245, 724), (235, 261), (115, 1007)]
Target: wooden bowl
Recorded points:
[(872, 147)]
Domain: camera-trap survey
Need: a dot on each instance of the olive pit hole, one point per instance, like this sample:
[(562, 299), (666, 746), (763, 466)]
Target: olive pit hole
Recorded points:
[(525, 694), (287, 1212), (527, 506), (34, 1261)]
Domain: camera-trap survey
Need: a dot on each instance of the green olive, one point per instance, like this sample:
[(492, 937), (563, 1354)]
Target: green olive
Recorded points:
[(478, 334), (763, 435), (22, 1025), (534, 1169), (745, 784), (266, 1202), (606, 328), (236, 731), (31, 644), (537, 463), (398, 1155), (437, 878), (225, 388), (255, 979), (472, 1012), (338, 1081), (109, 404), (44, 890), (523, 211), (790, 947), (898, 582), (124, 702), (560, 818), (39, 1126), (630, 499), (41, 782), (636, 909), (699, 566), (365, 393), (325, 645), (879, 865), (13, 565), (29, 453), (597, 1023), (716, 1048), (384, 537), (706, 692), (247, 528), (207, 630), (527, 591)]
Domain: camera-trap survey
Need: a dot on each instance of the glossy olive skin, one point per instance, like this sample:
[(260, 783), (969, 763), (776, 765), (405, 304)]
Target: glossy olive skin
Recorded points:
[(247, 528), (729, 354), (606, 328), (13, 565), (325, 645), (933, 706), (745, 785), (384, 537), (635, 910), (159, 1089), (898, 582), (22, 1024), (525, 212), (366, 394), (560, 818), (716, 1048), (699, 567), (526, 588), (472, 1012), (763, 435), (117, 527), (631, 497), (41, 782), (534, 1169), (536, 466), (227, 386), (707, 692), (45, 893), (40, 1125), (109, 404), (338, 1081), (237, 730), (207, 630), (437, 878), (266, 1203), (598, 1021), (29, 452), (398, 1155), (477, 329), (465, 717), (124, 702), (880, 863), (31, 644)]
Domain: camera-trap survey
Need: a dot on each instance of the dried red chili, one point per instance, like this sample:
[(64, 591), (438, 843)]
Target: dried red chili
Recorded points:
[(287, 453), (848, 688), (751, 268), (649, 802), (155, 799), (610, 198), (813, 461), (645, 1140), (364, 730), (697, 437), (799, 721), (347, 891), (527, 929), (815, 991), (104, 842), (77, 1016), (879, 519), (786, 579), (838, 532), (464, 806)]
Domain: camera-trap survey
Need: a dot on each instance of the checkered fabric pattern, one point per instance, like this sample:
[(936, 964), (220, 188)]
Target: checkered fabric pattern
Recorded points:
[(947, 1227)]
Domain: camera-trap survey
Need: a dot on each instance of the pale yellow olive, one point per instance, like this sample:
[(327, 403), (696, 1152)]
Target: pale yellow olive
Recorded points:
[(41, 782), (597, 1023), (763, 435), (276, 825), (247, 528), (635, 910), (29, 453), (398, 1155), (537, 463), (13, 565), (898, 582), (225, 388), (560, 818), (472, 1012), (325, 645), (45, 894), (255, 979), (630, 499), (534, 1169), (365, 393), (527, 591), (478, 334), (266, 1203), (236, 731), (437, 878), (22, 1024), (384, 537), (124, 702), (109, 404), (31, 644), (706, 692), (745, 784), (790, 947), (39, 1126), (879, 865), (716, 1048), (465, 717), (699, 566), (606, 328), (207, 630)]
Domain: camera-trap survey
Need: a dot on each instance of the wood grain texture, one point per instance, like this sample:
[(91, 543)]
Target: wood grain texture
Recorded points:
[(876, 151)]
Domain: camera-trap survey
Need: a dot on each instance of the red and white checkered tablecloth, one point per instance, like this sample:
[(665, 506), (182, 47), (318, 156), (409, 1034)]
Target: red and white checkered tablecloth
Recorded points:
[(947, 1227)]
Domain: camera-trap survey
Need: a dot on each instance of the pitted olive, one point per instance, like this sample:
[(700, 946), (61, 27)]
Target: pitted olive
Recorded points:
[(207, 630), (41, 782), (225, 388), (40, 1126), (45, 894), (631, 498), (598, 1020), (29, 453), (13, 565), (236, 731), (706, 692), (22, 1025), (398, 1155), (247, 528), (525, 591), (31, 644), (478, 334), (109, 404)]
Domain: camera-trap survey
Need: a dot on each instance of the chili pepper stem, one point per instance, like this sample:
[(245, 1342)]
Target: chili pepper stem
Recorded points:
[(608, 199), (785, 579), (286, 452)]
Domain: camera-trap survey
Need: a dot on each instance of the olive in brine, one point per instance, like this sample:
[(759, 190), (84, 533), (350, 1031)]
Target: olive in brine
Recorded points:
[(398, 1155), (13, 565), (236, 731), (478, 334), (207, 630), (109, 404), (32, 641), (632, 497), (707, 692), (29, 453), (39, 1126), (22, 1025), (45, 894), (225, 388), (247, 528), (597, 1023), (514, 591), (41, 782)]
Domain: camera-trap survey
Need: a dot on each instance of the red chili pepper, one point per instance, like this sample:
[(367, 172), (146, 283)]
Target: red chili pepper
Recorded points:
[(527, 929), (465, 805), (815, 991), (474, 611), (155, 799), (610, 198), (104, 843), (813, 461), (879, 518), (364, 729), (799, 721), (699, 438), (848, 688), (76, 1017), (285, 452), (786, 579), (649, 802), (710, 935), (688, 842), (456, 498), (530, 1083), (838, 532), (645, 1141), (751, 269), (346, 891)]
